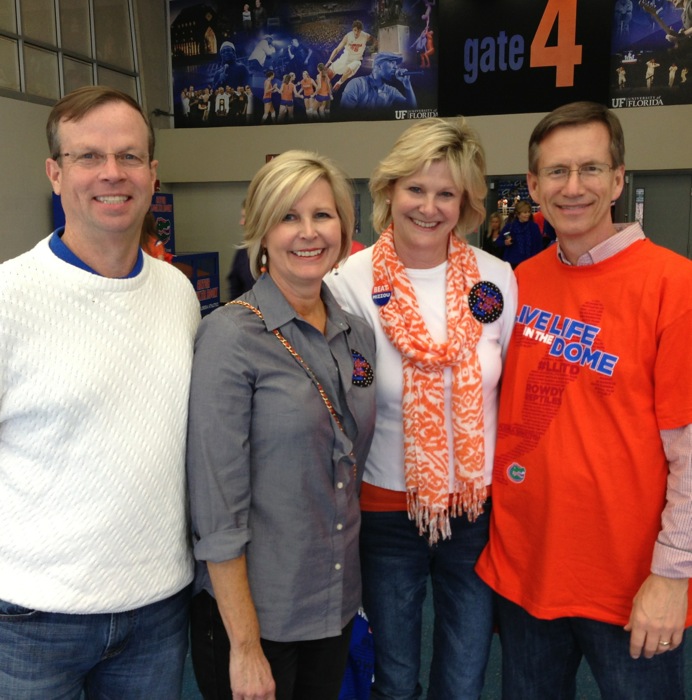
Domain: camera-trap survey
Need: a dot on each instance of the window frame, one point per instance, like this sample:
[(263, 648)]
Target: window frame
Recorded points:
[(62, 53)]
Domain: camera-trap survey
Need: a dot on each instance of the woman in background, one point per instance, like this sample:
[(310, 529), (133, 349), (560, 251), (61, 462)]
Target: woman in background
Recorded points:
[(324, 92), (268, 90), (289, 93), (308, 88), (521, 239), (281, 419), (489, 243), (442, 313)]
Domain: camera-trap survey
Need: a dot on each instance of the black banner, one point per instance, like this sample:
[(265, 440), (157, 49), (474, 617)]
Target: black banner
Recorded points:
[(508, 57)]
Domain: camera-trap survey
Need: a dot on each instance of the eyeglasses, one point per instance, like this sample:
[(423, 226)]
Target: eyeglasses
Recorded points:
[(589, 171), (96, 159)]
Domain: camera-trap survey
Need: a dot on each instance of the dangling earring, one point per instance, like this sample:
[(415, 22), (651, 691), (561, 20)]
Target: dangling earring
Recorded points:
[(263, 262)]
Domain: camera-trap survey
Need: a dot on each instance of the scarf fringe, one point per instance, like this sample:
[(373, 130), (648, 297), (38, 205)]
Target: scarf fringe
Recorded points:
[(437, 525)]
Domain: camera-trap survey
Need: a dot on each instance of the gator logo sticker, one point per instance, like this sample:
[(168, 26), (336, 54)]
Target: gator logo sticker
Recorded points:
[(516, 473), (163, 229)]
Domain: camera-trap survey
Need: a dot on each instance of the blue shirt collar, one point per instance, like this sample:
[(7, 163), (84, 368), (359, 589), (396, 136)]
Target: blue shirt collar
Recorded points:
[(66, 255)]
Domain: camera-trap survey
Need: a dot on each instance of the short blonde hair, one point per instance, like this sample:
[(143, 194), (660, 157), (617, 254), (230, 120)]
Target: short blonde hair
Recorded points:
[(279, 184), (451, 141)]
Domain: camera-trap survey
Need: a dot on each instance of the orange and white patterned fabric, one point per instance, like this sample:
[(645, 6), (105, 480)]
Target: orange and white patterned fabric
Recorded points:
[(426, 457)]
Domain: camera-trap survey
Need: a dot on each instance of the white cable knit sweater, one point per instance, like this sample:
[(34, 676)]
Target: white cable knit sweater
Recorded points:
[(94, 377)]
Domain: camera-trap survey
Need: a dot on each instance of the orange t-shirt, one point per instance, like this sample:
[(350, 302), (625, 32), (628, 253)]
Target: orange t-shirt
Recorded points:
[(595, 370)]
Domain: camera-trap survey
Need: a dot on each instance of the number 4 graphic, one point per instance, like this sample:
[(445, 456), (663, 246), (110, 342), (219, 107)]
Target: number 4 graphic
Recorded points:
[(567, 53)]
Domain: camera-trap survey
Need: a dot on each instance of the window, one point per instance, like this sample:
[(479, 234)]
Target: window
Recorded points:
[(50, 47)]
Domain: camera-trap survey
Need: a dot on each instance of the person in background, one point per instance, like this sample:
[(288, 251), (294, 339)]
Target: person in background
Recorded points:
[(324, 96), (262, 56), (376, 91), (269, 90), (250, 105), (549, 234), (289, 93), (247, 18), (591, 532), (685, 7), (492, 234), (545, 227), (94, 550), (281, 419), (521, 239), (442, 313), (259, 15), (240, 277), (651, 67), (308, 88), (351, 50)]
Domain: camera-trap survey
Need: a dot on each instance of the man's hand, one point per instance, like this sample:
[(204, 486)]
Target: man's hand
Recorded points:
[(657, 620), (251, 676)]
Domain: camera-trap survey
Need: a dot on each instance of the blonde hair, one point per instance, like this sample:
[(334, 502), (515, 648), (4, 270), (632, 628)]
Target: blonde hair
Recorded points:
[(495, 216), (451, 141), (279, 184)]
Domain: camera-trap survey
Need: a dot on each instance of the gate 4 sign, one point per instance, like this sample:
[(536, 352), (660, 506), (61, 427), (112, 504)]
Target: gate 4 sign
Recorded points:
[(566, 53), (522, 57)]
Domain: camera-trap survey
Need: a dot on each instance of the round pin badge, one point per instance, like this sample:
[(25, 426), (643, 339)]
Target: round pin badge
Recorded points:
[(381, 294), (486, 302)]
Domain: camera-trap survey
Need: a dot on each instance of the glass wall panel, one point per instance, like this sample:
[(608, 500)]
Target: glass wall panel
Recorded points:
[(9, 64), (75, 27), (41, 71), (8, 16), (76, 74), (113, 35), (120, 81), (51, 47), (38, 20)]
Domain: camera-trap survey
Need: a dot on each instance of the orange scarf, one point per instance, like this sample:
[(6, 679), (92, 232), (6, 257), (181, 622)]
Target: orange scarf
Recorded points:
[(426, 458)]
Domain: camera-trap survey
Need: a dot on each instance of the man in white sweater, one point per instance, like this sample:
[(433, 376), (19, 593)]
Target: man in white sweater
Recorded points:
[(96, 345)]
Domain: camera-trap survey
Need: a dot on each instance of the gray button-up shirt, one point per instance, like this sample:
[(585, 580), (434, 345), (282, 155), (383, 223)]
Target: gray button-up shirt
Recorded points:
[(270, 473)]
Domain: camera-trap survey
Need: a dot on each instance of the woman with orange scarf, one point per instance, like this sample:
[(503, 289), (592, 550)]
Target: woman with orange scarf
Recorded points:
[(442, 312)]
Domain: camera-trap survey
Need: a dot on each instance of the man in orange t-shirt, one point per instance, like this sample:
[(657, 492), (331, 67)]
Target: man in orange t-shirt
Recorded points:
[(590, 544)]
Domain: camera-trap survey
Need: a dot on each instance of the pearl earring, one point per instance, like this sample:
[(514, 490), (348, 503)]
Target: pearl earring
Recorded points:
[(263, 261)]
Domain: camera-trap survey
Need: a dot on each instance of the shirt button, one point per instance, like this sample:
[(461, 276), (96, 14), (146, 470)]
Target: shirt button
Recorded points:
[(339, 484), (337, 567), (339, 526)]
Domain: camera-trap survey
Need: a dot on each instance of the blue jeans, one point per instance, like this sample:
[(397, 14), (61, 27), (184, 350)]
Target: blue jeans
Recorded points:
[(396, 563), (540, 659), (134, 655)]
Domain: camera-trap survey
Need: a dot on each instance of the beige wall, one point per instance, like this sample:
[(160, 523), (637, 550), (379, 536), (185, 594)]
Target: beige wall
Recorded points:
[(24, 188), (208, 169), (655, 141)]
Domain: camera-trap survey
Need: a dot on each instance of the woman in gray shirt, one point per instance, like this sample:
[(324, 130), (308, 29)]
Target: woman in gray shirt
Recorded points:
[(281, 420)]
